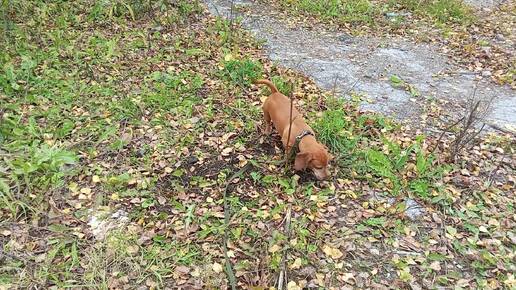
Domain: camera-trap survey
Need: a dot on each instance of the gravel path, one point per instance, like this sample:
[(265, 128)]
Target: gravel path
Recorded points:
[(366, 65)]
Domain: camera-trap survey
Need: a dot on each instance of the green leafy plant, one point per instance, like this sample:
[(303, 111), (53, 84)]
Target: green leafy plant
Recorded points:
[(334, 129), (42, 162), (380, 164), (399, 83), (283, 85), (242, 72), (394, 164)]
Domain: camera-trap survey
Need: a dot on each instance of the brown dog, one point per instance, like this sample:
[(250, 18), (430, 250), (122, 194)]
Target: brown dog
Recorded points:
[(312, 154)]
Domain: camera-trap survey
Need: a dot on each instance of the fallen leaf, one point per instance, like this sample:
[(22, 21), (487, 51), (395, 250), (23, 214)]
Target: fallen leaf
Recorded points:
[(196, 272), (86, 190), (293, 286), (274, 249), (217, 267), (182, 270), (332, 252), (226, 151), (297, 264), (436, 266)]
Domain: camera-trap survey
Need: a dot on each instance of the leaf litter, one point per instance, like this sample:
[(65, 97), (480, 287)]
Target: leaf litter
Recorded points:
[(156, 163)]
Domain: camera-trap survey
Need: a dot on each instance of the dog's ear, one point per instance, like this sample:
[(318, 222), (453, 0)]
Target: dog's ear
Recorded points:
[(330, 157), (302, 160)]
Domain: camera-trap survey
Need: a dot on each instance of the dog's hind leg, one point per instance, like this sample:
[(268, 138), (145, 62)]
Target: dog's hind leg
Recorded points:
[(267, 120)]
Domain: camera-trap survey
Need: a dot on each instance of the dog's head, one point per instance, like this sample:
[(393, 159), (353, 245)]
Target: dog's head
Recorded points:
[(316, 159)]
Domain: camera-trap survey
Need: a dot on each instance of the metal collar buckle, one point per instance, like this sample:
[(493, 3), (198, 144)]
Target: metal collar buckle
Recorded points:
[(304, 134)]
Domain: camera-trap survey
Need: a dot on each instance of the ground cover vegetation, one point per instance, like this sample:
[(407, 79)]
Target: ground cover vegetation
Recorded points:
[(121, 123)]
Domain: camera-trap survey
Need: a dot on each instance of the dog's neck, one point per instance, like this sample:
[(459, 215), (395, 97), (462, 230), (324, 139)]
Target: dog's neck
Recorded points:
[(307, 142)]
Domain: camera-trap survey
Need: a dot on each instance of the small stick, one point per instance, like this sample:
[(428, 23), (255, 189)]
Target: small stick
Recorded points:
[(283, 272), (335, 85), (227, 215), (231, 20), (289, 149), (446, 130)]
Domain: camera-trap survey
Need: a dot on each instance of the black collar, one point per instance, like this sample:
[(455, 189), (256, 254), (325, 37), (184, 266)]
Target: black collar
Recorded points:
[(304, 134)]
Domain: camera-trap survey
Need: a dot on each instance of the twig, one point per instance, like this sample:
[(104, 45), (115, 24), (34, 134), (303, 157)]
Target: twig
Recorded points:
[(4, 254), (446, 130), (501, 129), (5, 12), (352, 87), (490, 177), (283, 278), (149, 39), (460, 141), (227, 213), (231, 21), (335, 85), (288, 151)]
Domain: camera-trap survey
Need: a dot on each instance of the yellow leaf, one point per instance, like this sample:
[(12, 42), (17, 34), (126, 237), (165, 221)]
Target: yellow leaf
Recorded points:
[(510, 282), (320, 278), (228, 57), (86, 190), (274, 249), (73, 187), (293, 286), (296, 264), (332, 252), (196, 272), (132, 249), (435, 266), (217, 267), (226, 151), (348, 277), (95, 179), (493, 222)]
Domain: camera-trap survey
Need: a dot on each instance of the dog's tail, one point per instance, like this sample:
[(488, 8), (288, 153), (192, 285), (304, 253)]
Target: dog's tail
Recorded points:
[(267, 83)]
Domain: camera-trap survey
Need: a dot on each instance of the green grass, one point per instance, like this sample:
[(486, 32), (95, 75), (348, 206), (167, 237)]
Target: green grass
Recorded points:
[(283, 85), (441, 11), (242, 72), (352, 11), (335, 130), (365, 12)]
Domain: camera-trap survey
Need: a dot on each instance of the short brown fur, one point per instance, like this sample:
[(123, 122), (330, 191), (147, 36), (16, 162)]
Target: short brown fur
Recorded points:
[(312, 154)]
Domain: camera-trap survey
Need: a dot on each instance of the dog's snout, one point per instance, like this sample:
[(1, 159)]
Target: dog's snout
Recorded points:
[(321, 174)]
